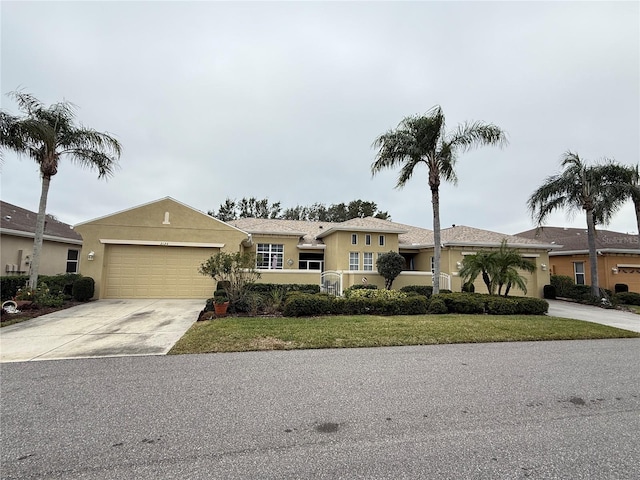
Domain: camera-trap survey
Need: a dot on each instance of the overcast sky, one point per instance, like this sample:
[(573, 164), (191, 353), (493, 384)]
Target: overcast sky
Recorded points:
[(283, 100)]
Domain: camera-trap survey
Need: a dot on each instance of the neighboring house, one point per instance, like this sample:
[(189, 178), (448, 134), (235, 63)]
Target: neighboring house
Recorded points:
[(618, 255), (154, 251), (60, 248)]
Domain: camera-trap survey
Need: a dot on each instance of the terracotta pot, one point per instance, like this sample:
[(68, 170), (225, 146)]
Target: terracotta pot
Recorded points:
[(220, 308)]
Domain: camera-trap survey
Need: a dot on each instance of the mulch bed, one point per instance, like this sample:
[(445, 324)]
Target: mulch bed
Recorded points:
[(28, 311)]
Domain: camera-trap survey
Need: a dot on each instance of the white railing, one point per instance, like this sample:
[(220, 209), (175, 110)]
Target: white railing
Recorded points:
[(445, 281), (331, 283)]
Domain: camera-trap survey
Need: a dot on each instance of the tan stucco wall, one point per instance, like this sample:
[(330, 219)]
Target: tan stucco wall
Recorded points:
[(147, 223), (535, 281), (53, 258), (339, 246), (563, 265), (290, 245), (311, 277)]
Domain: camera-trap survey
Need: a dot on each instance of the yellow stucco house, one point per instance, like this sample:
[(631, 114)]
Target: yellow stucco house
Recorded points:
[(60, 246), (154, 250), (618, 255)]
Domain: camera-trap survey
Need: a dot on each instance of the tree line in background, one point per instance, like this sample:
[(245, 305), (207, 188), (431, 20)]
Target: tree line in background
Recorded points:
[(336, 212)]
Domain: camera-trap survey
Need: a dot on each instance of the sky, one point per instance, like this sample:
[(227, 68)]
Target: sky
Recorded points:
[(283, 100)]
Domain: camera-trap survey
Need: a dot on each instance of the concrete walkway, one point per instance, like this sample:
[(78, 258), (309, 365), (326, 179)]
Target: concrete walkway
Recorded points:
[(589, 313), (104, 328)]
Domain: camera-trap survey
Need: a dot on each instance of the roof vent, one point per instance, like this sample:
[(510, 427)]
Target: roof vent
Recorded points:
[(8, 217)]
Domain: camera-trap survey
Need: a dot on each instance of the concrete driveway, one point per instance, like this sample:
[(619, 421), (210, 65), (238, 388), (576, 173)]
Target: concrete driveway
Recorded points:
[(104, 328), (589, 313)]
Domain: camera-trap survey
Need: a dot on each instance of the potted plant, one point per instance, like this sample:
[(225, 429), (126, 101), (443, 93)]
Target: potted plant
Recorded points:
[(220, 303)]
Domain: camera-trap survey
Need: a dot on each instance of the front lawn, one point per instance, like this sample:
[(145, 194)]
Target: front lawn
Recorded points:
[(240, 334)]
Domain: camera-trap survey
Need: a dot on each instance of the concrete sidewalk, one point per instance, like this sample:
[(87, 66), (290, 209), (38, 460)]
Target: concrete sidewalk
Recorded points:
[(589, 313), (102, 328)]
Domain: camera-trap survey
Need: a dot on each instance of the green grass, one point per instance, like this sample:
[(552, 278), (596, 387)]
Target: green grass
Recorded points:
[(240, 334)]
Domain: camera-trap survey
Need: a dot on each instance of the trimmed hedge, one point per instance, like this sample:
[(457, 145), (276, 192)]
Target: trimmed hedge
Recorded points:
[(628, 298), (427, 291), (83, 289), (61, 284), (267, 288), (303, 304)]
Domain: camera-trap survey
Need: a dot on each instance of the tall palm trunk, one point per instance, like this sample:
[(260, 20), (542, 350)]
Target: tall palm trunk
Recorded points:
[(636, 202), (39, 233), (593, 256), (435, 201)]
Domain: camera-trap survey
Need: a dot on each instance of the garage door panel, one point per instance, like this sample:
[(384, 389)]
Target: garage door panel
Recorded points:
[(141, 271)]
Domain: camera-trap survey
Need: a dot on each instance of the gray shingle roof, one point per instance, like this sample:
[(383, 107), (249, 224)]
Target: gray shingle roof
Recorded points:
[(311, 233), (575, 239), (23, 220)]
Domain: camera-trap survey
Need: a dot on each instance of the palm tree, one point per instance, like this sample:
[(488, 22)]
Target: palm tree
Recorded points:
[(481, 263), (507, 263), (46, 134), (498, 268), (424, 139), (578, 187), (624, 182)]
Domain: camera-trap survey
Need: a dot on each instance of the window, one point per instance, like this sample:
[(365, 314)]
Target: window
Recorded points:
[(354, 261), (270, 256), (578, 270), (367, 239), (381, 240), (311, 261), (72, 261), (354, 239), (367, 261)]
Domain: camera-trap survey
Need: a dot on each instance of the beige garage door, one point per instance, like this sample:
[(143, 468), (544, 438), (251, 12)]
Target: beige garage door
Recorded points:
[(141, 271)]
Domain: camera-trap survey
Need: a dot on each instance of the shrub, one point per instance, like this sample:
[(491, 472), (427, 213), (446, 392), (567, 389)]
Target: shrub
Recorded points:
[(390, 265), (468, 287), (412, 305), (83, 289), (469, 303), (621, 287), (501, 305), (531, 306), (582, 293), (358, 288), (563, 284), (437, 306), (425, 290), (60, 284), (549, 291), (41, 297), (267, 288), (305, 304), (10, 285), (377, 294), (628, 298)]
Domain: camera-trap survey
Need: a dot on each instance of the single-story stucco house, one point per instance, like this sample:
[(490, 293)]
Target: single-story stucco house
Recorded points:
[(61, 244), (618, 255), (154, 250)]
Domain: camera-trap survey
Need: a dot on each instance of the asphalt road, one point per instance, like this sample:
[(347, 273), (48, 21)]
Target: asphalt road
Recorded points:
[(489, 411)]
